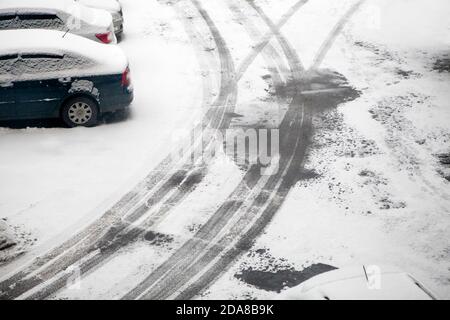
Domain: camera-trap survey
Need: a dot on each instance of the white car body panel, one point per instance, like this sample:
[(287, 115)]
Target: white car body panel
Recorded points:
[(109, 5), (79, 19), (360, 283)]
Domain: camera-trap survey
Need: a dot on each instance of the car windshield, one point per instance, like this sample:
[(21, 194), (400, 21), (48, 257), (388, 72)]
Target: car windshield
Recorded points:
[(40, 21), (11, 21), (8, 21)]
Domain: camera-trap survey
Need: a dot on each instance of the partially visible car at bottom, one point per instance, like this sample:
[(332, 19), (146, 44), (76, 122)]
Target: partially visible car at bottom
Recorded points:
[(62, 15), (46, 75), (360, 283), (112, 6)]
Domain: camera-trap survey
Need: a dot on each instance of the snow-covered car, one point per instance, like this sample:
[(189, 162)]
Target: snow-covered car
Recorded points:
[(62, 15), (46, 75), (360, 283), (112, 6)]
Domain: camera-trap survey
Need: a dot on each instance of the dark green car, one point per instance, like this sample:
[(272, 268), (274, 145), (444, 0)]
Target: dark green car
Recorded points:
[(49, 74)]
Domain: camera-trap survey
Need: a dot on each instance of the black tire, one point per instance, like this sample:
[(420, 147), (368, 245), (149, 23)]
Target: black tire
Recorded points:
[(80, 112)]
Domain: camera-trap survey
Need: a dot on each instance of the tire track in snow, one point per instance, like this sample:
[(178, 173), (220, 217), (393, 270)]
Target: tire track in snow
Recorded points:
[(235, 215), (150, 191), (204, 258), (113, 239), (268, 37), (124, 237), (328, 43), (221, 259)]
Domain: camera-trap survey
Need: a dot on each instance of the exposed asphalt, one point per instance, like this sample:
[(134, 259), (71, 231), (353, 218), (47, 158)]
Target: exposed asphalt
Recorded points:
[(231, 230)]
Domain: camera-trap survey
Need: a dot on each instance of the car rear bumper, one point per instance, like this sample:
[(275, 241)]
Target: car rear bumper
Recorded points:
[(120, 102)]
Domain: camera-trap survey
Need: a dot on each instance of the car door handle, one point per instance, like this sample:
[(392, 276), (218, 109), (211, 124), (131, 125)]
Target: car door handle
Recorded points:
[(65, 80), (6, 84)]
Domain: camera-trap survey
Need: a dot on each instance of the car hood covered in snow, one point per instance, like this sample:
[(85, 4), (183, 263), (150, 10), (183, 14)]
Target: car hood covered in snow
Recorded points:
[(106, 59)]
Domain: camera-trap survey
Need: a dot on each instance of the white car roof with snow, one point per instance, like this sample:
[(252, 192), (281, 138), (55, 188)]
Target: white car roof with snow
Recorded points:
[(69, 7), (38, 4), (110, 5), (108, 59)]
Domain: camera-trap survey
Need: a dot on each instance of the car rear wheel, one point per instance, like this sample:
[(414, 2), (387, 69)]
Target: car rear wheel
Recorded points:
[(80, 112)]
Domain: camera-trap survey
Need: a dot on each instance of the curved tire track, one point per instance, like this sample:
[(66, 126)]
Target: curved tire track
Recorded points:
[(213, 238), (203, 259), (180, 183)]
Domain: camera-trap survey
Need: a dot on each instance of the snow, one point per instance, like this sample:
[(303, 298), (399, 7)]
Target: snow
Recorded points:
[(84, 86), (376, 196), (379, 198), (54, 181)]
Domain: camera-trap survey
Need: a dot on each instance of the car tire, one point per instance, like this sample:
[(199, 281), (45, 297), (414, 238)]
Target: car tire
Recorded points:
[(80, 112)]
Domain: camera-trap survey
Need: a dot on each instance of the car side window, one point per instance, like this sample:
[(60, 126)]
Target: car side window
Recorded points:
[(37, 65), (40, 21), (8, 21)]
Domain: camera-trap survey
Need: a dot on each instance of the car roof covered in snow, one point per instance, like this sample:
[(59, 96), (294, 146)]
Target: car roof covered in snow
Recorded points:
[(110, 5), (108, 59), (70, 7)]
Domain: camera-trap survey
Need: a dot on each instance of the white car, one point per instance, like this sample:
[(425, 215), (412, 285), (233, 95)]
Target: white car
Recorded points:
[(112, 6), (360, 283), (62, 15)]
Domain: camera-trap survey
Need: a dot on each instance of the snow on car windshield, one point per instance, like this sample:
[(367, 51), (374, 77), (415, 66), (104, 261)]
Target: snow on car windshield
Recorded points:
[(31, 21)]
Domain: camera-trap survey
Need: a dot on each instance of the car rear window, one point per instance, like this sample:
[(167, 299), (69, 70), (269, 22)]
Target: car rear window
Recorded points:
[(40, 21), (8, 21), (6, 17)]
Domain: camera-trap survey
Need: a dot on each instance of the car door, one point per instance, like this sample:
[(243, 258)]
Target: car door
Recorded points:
[(7, 89), (40, 90)]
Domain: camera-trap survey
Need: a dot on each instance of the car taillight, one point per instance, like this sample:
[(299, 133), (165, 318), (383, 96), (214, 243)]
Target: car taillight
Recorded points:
[(126, 78), (105, 37)]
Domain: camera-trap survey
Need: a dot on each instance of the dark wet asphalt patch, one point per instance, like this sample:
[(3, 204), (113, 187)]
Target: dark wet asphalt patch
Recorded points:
[(406, 74), (6, 243), (192, 180), (266, 272), (444, 160), (280, 279), (158, 239), (442, 65), (324, 89), (308, 175)]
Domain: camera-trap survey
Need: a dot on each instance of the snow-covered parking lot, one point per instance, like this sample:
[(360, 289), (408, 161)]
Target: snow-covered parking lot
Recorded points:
[(359, 92)]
